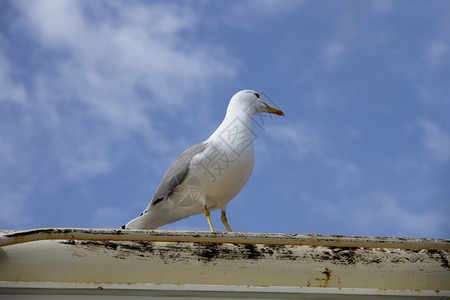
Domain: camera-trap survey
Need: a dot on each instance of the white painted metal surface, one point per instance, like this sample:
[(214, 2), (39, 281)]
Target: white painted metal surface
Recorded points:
[(88, 262)]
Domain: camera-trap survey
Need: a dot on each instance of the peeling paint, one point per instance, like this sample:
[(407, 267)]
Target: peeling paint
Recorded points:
[(202, 259), (16, 237), (209, 252)]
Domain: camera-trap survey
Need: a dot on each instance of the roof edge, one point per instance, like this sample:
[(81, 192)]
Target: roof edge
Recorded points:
[(12, 237)]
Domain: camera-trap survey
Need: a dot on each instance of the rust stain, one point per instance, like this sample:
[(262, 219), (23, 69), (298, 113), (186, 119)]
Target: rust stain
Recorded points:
[(327, 273), (324, 282)]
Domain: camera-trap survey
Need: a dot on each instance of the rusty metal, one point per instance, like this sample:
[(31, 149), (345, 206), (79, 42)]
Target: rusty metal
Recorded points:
[(16, 237), (204, 264)]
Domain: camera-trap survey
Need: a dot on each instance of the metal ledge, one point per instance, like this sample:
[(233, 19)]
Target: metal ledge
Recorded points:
[(203, 264), (215, 291), (16, 237)]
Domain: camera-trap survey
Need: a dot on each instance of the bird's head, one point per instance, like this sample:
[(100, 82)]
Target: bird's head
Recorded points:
[(252, 102)]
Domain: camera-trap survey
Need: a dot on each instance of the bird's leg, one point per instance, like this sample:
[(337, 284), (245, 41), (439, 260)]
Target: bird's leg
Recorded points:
[(225, 221), (207, 213)]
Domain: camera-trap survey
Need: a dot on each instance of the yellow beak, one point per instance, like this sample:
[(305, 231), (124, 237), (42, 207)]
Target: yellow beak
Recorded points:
[(273, 110)]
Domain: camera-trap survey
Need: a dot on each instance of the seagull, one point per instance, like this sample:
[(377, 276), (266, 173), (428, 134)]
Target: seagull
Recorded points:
[(209, 174)]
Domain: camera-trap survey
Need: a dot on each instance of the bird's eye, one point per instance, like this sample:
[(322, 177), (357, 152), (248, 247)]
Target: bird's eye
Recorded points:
[(257, 95)]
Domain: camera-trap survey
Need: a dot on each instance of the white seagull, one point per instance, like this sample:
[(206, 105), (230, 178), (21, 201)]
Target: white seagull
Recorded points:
[(208, 175)]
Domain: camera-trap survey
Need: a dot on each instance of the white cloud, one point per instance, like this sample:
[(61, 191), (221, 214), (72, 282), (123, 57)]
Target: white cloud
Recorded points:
[(325, 96), (436, 141), (101, 76), (437, 53), (247, 14), (298, 140), (92, 157), (6, 150), (10, 91), (14, 210), (436, 48), (131, 45), (112, 69), (348, 175), (383, 210), (265, 7), (376, 212), (108, 217), (301, 140), (332, 54), (434, 94), (410, 165), (382, 6)]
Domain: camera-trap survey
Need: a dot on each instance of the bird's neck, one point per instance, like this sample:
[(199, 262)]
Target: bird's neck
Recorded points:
[(236, 122)]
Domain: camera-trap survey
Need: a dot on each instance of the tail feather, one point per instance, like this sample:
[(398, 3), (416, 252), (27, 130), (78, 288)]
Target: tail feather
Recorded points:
[(159, 215), (147, 220)]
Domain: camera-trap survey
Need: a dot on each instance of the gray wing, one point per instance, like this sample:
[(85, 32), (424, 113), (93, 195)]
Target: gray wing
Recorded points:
[(176, 173)]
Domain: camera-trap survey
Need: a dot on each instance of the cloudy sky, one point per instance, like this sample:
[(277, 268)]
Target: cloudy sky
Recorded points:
[(97, 98)]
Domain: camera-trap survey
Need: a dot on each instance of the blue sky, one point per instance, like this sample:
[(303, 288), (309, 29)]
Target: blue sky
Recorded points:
[(99, 97)]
